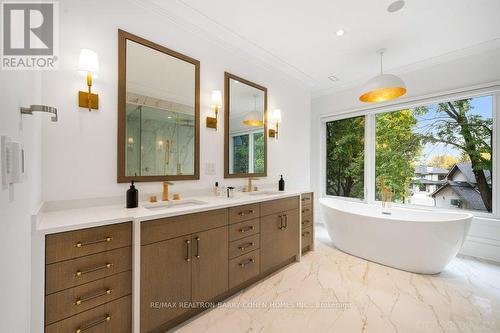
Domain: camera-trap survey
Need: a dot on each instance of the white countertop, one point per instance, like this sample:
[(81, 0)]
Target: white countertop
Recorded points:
[(78, 218)]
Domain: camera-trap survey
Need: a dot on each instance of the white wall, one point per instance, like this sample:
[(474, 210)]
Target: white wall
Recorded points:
[(19, 201), (472, 70), (79, 153)]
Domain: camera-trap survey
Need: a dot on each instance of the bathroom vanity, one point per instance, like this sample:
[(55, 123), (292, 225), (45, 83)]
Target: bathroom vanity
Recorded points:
[(109, 269)]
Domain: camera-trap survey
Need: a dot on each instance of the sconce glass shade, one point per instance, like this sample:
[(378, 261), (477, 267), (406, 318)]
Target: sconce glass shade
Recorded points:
[(88, 63), (216, 100), (383, 87), (253, 118), (277, 116)]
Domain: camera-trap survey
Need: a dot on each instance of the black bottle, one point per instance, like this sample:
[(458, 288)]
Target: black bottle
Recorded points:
[(132, 196), (281, 184)]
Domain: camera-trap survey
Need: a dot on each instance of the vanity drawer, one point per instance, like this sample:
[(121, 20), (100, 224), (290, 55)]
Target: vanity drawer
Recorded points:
[(243, 268), (243, 213), (71, 273), (307, 237), (79, 243), (244, 245), (306, 198), (72, 301), (277, 206), (243, 229), (112, 317), (172, 227), (306, 210), (307, 221)]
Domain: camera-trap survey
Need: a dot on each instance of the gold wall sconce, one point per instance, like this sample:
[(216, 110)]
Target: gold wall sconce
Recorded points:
[(215, 103), (275, 120), (89, 66)]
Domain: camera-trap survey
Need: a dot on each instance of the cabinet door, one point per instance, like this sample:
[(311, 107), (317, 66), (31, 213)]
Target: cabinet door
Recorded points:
[(165, 281), (210, 264), (279, 238)]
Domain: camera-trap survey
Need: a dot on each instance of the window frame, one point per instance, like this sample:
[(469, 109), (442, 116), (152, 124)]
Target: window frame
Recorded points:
[(370, 143)]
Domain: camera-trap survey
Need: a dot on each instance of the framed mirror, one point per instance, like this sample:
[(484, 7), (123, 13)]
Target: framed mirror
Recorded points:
[(158, 112), (245, 143)]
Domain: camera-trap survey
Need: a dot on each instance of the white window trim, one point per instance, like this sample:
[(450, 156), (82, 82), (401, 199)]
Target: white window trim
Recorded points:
[(492, 89)]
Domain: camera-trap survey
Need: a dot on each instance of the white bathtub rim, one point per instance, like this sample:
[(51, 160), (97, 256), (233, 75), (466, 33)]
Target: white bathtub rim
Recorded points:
[(453, 216)]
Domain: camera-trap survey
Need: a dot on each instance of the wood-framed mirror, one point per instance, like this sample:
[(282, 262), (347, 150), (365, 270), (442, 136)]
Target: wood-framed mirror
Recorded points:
[(158, 112), (245, 128)]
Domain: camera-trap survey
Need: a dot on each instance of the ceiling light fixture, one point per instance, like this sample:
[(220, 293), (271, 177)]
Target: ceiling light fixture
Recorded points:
[(383, 87), (340, 32), (395, 6), (333, 78), (254, 118)]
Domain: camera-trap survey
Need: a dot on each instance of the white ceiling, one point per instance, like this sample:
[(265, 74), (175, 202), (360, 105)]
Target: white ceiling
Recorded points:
[(298, 37)]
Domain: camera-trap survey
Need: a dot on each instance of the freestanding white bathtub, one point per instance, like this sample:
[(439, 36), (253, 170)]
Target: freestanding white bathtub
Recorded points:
[(408, 239)]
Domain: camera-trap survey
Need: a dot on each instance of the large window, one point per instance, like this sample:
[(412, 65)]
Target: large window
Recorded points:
[(438, 155), (345, 157), (445, 148)]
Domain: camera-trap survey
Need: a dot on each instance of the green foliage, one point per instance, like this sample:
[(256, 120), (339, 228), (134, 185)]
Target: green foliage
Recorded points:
[(240, 153), (397, 151), (258, 154), (345, 157)]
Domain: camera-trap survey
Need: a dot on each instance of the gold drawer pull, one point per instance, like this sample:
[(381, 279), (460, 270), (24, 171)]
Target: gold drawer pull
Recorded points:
[(305, 199), (80, 273), (249, 228), (283, 221), (245, 212), (246, 246), (248, 262), (188, 249), (89, 326), (305, 221), (105, 240), (305, 233), (80, 300), (305, 210), (198, 247)]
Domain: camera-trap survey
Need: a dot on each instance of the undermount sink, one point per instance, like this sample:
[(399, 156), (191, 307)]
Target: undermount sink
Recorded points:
[(264, 192), (174, 204)]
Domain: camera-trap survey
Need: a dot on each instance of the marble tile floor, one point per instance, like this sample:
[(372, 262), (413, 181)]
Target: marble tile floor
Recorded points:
[(331, 291)]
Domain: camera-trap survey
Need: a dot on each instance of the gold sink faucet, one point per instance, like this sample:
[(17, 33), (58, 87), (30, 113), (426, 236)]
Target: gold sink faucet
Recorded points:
[(164, 196), (249, 185)]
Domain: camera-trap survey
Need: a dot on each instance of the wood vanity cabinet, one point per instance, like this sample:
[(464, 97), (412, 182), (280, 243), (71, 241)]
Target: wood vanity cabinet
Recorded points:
[(181, 270), (279, 232), (307, 224), (88, 280)]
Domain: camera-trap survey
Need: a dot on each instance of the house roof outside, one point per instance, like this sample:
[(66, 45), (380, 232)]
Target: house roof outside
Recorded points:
[(466, 170), (426, 170), (428, 182), (465, 189)]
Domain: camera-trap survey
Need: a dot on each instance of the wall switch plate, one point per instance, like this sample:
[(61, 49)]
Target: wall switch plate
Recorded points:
[(13, 166), (210, 168)]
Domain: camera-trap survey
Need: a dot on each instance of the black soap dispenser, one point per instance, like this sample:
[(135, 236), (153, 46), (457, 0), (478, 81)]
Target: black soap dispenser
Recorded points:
[(281, 184), (132, 196)]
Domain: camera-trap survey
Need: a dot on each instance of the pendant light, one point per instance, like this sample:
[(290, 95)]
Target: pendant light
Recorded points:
[(383, 87), (254, 118)]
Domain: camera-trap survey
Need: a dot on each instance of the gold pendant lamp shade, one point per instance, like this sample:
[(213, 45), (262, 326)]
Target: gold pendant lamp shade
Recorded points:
[(383, 87), (254, 118)]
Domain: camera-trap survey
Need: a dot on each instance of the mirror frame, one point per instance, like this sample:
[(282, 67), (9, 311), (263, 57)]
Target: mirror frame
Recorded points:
[(123, 36), (227, 79)]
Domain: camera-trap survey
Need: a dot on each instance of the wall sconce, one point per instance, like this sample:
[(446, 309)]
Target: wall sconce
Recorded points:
[(276, 119), (215, 103), (40, 108), (88, 66)]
